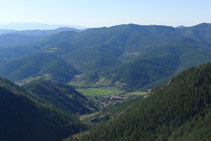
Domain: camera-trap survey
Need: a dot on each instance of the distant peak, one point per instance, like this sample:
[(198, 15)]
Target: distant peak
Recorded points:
[(181, 27)]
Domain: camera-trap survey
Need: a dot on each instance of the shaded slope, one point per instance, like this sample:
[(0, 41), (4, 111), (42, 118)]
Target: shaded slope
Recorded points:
[(61, 96), (38, 64), (179, 110), (22, 119)]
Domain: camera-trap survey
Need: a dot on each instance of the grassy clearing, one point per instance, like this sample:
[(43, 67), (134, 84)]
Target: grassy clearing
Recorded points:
[(135, 93), (88, 116), (101, 91)]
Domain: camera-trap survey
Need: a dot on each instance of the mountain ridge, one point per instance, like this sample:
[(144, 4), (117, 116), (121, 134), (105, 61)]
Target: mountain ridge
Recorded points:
[(100, 49), (38, 64)]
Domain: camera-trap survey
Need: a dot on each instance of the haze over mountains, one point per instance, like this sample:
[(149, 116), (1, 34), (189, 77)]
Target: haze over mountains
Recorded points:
[(34, 25), (44, 63), (11, 38)]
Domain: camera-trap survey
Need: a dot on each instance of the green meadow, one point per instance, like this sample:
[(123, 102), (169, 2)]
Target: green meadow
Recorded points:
[(101, 91)]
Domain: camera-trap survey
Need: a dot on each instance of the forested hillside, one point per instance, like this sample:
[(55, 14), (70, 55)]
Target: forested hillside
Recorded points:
[(24, 117), (179, 110), (131, 57), (105, 70), (11, 40), (61, 96), (119, 54), (38, 64)]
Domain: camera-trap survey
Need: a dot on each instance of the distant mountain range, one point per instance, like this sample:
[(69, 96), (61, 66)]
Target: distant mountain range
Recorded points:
[(33, 25), (11, 38), (126, 56)]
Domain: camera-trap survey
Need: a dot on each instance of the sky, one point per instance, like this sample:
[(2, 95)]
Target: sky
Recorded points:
[(98, 13)]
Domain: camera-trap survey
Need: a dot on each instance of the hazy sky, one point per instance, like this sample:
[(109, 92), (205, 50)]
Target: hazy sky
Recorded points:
[(96, 13)]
